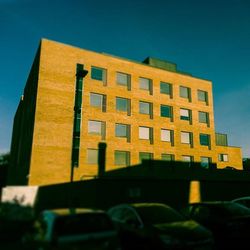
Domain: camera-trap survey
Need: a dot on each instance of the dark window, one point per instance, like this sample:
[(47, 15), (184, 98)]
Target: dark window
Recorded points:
[(205, 161), (205, 139), (166, 111), (99, 74)]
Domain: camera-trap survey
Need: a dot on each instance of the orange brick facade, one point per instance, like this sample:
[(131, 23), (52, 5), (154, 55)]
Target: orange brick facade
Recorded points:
[(50, 155)]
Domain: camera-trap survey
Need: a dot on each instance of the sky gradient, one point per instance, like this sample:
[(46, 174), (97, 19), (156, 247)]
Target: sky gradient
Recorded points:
[(208, 38)]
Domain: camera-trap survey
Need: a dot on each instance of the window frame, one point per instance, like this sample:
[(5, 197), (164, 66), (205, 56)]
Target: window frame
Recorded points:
[(128, 105), (171, 157), (222, 157), (151, 156), (202, 140), (170, 111), (128, 80), (127, 126), (103, 101), (203, 99), (187, 95), (103, 71), (190, 139), (187, 117), (127, 158), (92, 162), (150, 85), (169, 91), (169, 135)]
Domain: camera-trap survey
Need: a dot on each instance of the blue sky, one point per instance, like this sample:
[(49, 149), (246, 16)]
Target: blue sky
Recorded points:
[(207, 38)]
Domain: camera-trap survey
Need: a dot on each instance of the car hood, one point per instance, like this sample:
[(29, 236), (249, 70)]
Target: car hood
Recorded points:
[(184, 229)]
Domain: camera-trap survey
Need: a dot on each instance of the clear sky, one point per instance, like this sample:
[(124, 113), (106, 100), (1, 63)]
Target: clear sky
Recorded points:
[(207, 38)]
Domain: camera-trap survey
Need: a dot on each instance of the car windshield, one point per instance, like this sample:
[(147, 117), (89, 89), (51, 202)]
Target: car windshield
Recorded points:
[(158, 214), (82, 223), (228, 209)]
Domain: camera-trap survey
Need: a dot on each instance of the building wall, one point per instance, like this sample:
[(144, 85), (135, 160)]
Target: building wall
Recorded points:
[(53, 126), (22, 134)]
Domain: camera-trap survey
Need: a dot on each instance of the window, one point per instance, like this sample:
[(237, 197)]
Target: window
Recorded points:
[(98, 100), (122, 130), (185, 92), (202, 96), (146, 133), (146, 108), (146, 84), (123, 79), (97, 128), (205, 161), (92, 156), (223, 157), (205, 139), (166, 111), (145, 156), (221, 139), (166, 88), (187, 158), (122, 158), (99, 74), (203, 117), (167, 157), (166, 135), (123, 104), (185, 114), (186, 137)]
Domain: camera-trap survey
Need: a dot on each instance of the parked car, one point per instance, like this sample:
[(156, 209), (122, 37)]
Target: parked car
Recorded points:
[(229, 222), (75, 229), (245, 200), (157, 226)]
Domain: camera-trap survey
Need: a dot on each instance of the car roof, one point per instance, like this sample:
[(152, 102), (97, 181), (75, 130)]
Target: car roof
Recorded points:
[(241, 198), (71, 211)]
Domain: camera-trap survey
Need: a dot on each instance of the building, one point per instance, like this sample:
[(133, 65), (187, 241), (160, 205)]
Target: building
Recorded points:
[(76, 98)]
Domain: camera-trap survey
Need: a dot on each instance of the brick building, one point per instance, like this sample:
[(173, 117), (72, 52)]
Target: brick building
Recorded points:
[(75, 98)]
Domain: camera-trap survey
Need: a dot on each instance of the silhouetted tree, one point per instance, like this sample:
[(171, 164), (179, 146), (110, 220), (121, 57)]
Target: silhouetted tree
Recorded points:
[(4, 159), (246, 164), (4, 164)]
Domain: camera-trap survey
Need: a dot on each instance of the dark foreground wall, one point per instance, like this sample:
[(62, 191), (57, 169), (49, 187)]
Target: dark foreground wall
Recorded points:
[(147, 184)]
